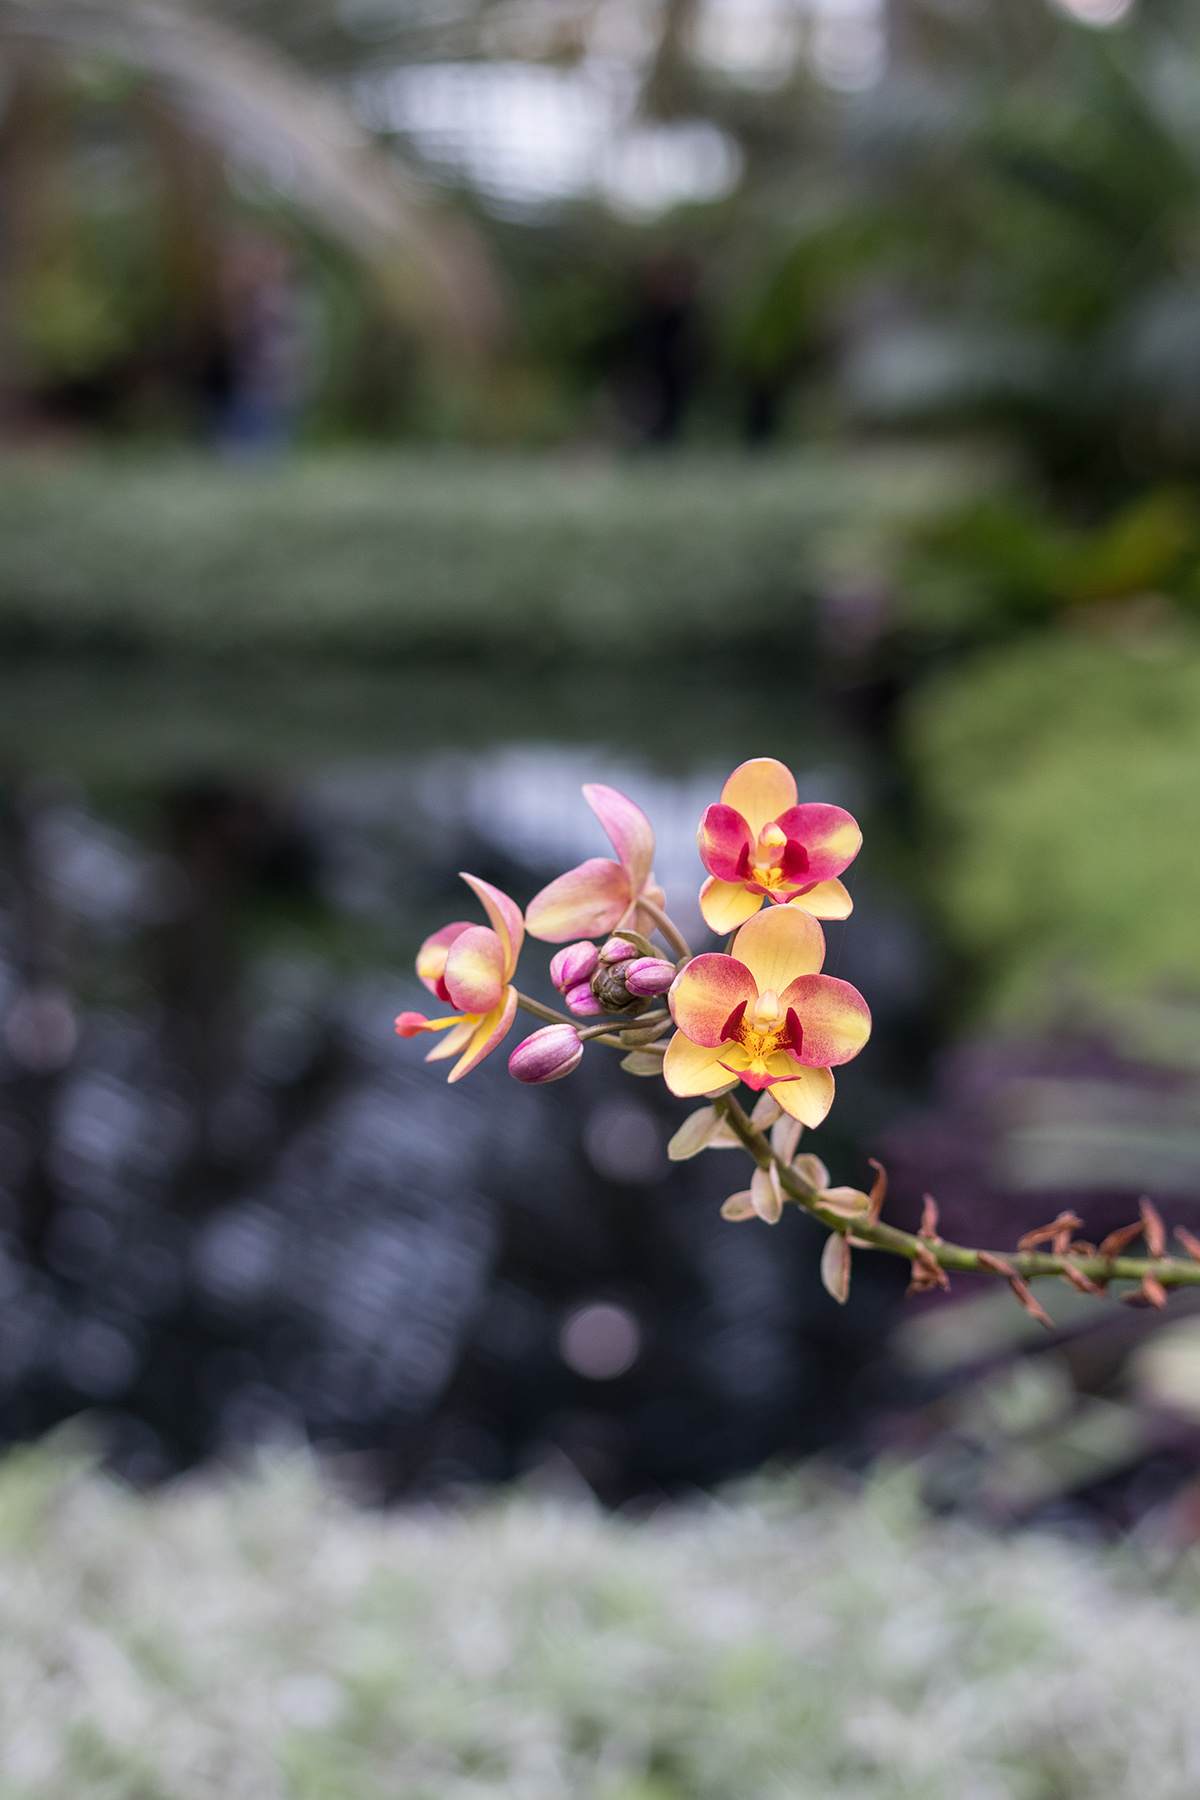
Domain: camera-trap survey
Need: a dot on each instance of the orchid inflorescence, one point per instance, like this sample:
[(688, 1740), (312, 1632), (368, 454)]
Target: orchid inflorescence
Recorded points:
[(760, 1014)]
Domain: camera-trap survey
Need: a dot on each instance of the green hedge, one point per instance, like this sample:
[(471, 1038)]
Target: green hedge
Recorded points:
[(398, 554)]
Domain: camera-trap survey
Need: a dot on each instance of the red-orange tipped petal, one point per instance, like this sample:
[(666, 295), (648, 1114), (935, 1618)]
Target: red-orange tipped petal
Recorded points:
[(705, 995), (409, 1024), (835, 1021), (724, 842), (831, 838)]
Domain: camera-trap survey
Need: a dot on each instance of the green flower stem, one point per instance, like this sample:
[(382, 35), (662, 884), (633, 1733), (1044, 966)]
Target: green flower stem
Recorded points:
[(1171, 1271), (543, 1012), (597, 1031), (669, 929)]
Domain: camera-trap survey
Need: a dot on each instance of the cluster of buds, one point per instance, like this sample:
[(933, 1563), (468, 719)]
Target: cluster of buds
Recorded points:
[(617, 977), (759, 1013)]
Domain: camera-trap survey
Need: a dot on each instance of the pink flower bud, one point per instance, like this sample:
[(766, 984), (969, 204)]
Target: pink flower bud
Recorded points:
[(547, 1055), (617, 950), (649, 975), (575, 963), (581, 1001)]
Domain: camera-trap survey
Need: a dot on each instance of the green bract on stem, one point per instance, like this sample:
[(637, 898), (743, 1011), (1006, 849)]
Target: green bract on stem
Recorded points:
[(922, 1249)]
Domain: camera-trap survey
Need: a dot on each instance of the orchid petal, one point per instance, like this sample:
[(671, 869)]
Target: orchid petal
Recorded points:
[(692, 1068), (410, 1023), (724, 841), (765, 1195), (831, 838), (431, 957), (506, 919), (828, 900), (760, 790), (724, 905), (585, 902), (628, 829), (487, 1034), (454, 1041), (706, 992), (807, 1098), (834, 1018), (475, 970), (779, 944)]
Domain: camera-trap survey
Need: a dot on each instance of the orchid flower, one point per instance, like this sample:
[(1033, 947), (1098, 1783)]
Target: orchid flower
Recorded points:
[(758, 843), (766, 1017), (600, 895), (470, 967)]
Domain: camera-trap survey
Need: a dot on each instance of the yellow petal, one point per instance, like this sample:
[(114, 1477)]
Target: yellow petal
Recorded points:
[(778, 945), (454, 1041), (760, 790), (808, 1097), (724, 905), (690, 1069), (487, 1034), (828, 900)]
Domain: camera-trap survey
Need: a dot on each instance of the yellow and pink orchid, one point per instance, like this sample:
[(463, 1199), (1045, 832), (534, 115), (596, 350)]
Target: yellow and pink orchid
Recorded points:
[(600, 895), (757, 844), (470, 967), (765, 1016)]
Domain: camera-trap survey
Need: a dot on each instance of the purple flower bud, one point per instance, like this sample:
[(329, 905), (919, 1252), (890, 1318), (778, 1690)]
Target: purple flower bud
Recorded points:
[(618, 950), (575, 963), (649, 975), (547, 1055), (581, 1001)]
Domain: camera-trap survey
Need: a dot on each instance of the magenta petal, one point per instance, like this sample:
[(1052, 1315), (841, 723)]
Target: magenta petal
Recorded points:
[(724, 840), (629, 831), (834, 1020), (585, 902), (582, 1002), (829, 835)]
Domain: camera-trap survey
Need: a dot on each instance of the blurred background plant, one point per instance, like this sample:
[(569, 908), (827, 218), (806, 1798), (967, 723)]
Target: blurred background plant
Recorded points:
[(411, 412)]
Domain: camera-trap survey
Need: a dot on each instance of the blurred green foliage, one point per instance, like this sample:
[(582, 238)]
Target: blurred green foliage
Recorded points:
[(472, 555), (1060, 779)]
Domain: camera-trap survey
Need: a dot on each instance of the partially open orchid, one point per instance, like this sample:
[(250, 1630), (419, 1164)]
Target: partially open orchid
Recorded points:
[(765, 1016), (601, 895), (470, 967), (757, 844)]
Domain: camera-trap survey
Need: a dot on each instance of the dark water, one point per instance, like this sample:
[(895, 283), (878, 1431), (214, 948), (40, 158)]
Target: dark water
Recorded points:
[(236, 1207)]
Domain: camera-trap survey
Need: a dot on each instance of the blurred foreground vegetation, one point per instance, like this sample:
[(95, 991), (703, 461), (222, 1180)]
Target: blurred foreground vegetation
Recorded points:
[(259, 1638)]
